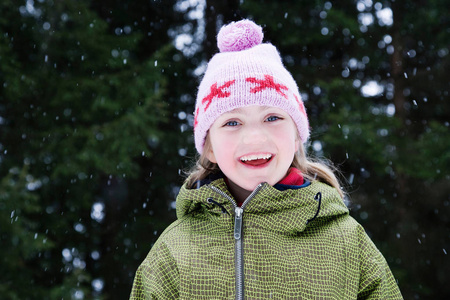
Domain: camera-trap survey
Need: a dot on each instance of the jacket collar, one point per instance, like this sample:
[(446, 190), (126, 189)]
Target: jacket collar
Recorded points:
[(286, 211)]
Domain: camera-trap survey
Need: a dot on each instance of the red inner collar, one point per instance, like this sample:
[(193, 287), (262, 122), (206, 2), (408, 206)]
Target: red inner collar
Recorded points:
[(294, 177)]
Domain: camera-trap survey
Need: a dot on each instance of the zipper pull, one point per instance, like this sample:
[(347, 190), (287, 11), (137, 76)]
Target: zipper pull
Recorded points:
[(237, 223)]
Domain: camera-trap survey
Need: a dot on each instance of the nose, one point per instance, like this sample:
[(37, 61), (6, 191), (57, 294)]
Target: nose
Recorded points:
[(254, 135)]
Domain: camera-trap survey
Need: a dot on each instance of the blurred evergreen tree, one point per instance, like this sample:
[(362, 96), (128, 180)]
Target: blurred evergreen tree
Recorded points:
[(90, 146)]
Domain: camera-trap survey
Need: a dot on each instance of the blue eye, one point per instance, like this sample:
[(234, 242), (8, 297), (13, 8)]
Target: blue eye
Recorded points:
[(231, 123), (272, 118)]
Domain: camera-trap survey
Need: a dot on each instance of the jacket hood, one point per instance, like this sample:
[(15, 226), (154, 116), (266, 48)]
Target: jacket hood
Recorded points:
[(289, 211)]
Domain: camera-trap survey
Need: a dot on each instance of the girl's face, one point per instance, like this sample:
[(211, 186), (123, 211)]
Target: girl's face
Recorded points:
[(253, 144)]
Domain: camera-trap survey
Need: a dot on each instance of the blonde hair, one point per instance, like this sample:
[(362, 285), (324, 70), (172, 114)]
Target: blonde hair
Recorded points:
[(313, 169)]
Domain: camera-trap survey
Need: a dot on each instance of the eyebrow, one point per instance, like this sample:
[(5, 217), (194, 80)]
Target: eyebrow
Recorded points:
[(239, 109), (236, 110)]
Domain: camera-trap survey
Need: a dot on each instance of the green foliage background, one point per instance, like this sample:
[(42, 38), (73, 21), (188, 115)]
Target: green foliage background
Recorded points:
[(96, 103)]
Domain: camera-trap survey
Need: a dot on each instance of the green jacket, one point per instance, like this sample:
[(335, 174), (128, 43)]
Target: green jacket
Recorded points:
[(292, 244)]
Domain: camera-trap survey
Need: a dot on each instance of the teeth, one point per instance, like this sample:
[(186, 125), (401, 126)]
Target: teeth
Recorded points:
[(255, 157)]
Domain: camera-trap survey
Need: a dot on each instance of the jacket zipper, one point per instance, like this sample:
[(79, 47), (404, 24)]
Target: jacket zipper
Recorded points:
[(239, 250)]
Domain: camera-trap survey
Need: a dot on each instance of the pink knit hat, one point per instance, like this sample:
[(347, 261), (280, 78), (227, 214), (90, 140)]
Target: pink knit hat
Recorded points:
[(244, 73)]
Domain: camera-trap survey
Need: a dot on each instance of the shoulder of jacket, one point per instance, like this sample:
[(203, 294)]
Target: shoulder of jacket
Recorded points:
[(355, 233), (348, 226), (175, 228), (166, 241)]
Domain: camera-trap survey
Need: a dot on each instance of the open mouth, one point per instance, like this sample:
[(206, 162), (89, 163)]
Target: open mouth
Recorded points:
[(256, 159)]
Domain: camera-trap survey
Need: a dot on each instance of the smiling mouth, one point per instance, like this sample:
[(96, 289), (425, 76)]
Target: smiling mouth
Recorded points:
[(256, 159)]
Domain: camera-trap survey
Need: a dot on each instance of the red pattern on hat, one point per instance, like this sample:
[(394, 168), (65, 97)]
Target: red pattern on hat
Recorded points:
[(196, 117), (267, 83), (301, 105), (217, 92)]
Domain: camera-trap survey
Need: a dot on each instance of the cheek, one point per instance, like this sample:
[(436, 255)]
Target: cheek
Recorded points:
[(224, 155), (294, 137), (226, 166), (223, 150), (288, 141)]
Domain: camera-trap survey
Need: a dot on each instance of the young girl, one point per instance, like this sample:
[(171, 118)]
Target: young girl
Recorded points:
[(256, 218)]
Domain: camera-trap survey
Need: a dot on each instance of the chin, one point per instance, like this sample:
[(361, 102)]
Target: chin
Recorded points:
[(253, 185), (249, 186)]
